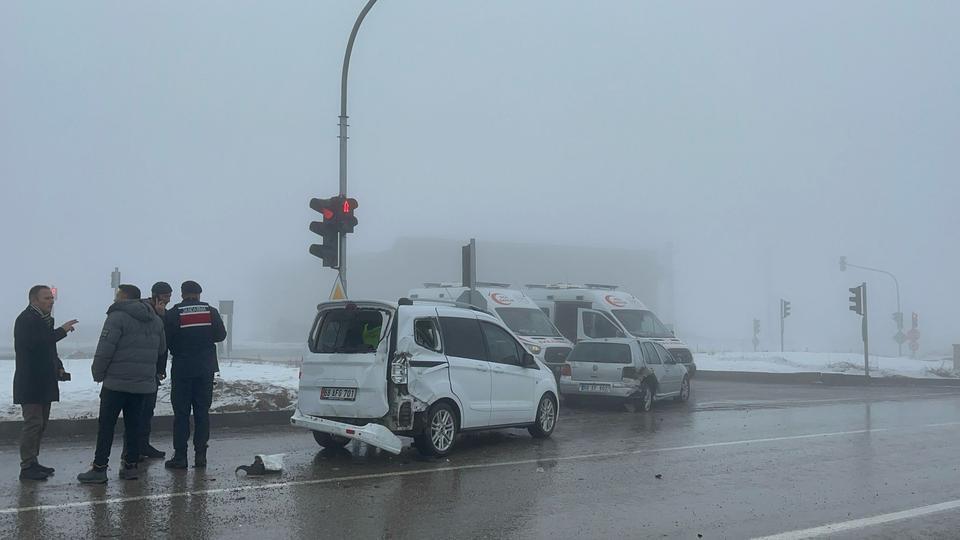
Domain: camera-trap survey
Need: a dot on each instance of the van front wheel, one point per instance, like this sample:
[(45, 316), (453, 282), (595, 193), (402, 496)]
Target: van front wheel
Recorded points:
[(546, 418), (327, 440), (439, 432)]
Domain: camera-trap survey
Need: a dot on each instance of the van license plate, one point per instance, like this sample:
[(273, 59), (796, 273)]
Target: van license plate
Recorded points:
[(594, 387), (338, 394)]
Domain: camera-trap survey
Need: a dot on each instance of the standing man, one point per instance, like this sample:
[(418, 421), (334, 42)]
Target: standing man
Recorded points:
[(38, 370), (160, 295), (193, 330), (130, 345)]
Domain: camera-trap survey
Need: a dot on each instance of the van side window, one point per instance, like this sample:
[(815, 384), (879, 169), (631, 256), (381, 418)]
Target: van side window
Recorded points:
[(501, 347), (650, 353), (462, 338), (426, 334)]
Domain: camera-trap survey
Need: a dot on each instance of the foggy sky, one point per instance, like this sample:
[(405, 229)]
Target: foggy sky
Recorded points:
[(183, 140)]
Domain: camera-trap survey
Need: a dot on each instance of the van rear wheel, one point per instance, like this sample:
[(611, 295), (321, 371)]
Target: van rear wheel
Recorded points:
[(439, 431), (327, 440)]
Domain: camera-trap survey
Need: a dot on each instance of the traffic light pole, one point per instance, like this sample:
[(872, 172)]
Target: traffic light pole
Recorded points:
[(896, 284), (866, 341), (343, 135), (781, 325)]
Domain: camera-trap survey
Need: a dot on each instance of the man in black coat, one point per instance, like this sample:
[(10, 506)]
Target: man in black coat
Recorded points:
[(38, 370), (193, 329), (159, 298)]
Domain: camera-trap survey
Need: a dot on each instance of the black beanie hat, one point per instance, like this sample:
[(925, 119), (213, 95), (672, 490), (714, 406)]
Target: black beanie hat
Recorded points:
[(190, 287), (161, 287)]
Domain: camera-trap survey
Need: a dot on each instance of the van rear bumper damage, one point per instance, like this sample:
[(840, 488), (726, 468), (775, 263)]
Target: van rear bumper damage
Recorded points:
[(372, 434)]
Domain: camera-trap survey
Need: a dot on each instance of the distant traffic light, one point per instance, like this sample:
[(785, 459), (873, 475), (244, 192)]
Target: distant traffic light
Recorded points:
[(328, 229), (756, 327), (843, 264), (856, 301), (784, 309)]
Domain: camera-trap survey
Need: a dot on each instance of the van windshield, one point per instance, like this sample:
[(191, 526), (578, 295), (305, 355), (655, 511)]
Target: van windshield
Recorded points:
[(642, 323), (350, 331), (527, 322)]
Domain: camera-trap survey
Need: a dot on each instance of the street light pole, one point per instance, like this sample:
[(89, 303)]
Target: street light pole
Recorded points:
[(844, 264), (343, 135)]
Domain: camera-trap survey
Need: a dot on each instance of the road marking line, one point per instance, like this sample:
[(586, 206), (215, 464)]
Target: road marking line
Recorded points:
[(475, 466), (833, 400), (855, 524)]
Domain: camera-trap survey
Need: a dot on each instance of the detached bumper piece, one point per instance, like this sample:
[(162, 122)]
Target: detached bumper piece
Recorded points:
[(372, 434)]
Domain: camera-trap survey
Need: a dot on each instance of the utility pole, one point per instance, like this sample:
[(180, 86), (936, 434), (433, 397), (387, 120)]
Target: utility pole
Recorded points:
[(343, 135), (115, 280), (756, 334)]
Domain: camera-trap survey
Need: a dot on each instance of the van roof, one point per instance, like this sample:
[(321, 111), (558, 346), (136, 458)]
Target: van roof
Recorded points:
[(603, 298)]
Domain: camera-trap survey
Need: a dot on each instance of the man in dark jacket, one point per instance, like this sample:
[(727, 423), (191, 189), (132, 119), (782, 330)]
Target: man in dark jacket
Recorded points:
[(38, 369), (193, 330), (159, 298), (130, 346)]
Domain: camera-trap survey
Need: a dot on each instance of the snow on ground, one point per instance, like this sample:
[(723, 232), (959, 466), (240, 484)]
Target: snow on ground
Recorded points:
[(249, 385), (241, 386), (793, 362)]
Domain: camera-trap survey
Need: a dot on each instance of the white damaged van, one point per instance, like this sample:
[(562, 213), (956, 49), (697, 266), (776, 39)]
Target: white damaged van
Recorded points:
[(377, 371), (514, 308)]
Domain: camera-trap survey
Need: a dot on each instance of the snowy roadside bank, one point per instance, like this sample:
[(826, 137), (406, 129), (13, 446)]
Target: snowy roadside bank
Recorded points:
[(242, 386)]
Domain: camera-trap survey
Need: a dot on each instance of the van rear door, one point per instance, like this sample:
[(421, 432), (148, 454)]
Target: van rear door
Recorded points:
[(345, 376)]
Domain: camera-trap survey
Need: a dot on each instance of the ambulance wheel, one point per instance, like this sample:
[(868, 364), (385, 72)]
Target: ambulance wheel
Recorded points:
[(327, 440)]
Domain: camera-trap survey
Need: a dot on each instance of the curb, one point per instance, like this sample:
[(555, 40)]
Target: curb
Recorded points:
[(828, 379), (87, 427)]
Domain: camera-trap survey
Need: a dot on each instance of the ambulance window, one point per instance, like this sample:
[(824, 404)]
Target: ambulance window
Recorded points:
[(597, 326), (426, 334)]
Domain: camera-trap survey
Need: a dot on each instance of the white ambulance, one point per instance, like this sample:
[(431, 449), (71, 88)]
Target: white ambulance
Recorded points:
[(516, 310), (594, 311)]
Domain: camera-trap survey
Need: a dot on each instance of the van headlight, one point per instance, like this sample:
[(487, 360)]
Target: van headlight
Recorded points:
[(534, 349), (400, 368)]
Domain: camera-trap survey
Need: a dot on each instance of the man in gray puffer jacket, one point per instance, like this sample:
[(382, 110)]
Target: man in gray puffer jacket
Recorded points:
[(126, 360)]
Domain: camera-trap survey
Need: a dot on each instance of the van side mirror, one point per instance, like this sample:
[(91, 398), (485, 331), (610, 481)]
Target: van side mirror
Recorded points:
[(528, 360)]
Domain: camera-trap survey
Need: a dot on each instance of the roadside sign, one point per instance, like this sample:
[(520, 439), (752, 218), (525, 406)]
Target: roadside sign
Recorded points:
[(54, 291), (338, 293), (914, 346), (226, 307), (900, 338)]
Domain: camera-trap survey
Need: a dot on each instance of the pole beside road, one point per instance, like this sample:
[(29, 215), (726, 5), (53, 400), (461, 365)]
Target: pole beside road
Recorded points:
[(343, 135)]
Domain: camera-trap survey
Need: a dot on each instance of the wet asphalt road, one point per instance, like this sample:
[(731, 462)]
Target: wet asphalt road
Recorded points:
[(738, 461)]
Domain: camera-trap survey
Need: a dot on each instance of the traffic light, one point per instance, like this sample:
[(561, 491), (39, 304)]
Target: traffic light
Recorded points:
[(328, 229), (856, 301), (843, 264), (756, 326), (347, 220), (784, 309)]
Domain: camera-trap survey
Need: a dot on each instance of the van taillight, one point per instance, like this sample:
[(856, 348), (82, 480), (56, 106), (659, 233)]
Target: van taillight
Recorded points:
[(628, 373), (565, 370)]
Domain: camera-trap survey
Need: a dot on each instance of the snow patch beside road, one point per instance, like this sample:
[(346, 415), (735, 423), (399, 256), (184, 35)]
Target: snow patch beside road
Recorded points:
[(241, 386), (795, 362)]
